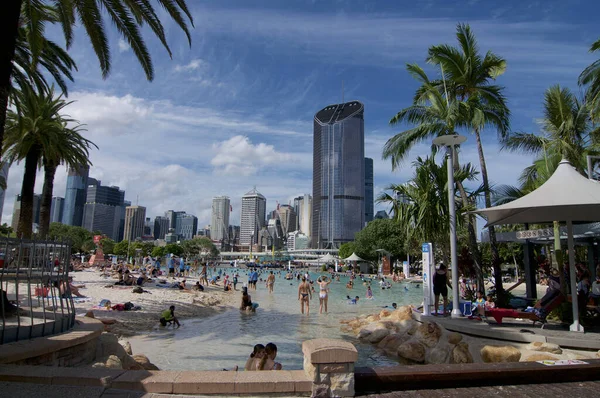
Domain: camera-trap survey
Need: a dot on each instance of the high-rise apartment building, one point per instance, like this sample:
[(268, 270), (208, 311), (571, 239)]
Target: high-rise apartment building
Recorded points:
[(338, 209), (303, 208), (219, 223), (369, 199), (75, 195), (135, 217), (187, 225), (254, 207), (287, 216), (148, 228), (3, 174), (161, 227), (102, 210), (56, 209)]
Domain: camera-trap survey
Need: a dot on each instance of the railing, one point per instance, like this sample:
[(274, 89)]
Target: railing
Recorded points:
[(35, 297)]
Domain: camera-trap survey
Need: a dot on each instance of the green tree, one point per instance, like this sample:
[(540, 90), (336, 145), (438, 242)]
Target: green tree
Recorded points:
[(468, 77), (81, 239), (590, 77), (566, 133), (5, 229), (120, 249), (159, 251), (386, 234), (126, 15), (346, 249), (202, 247), (32, 131), (108, 245), (174, 248)]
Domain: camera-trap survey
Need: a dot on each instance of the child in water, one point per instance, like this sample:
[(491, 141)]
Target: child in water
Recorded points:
[(255, 357), (369, 292)]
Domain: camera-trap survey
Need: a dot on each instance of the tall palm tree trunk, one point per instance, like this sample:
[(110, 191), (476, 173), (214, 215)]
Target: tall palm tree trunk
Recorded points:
[(46, 202), (473, 247), (26, 213), (492, 231), (9, 20)]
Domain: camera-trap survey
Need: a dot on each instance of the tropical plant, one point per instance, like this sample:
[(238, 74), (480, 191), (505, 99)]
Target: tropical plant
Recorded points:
[(468, 76), (33, 129), (566, 133), (128, 16), (80, 238), (386, 234), (590, 77)]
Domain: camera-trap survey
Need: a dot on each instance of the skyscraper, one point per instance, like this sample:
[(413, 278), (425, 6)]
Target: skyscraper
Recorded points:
[(56, 209), (187, 225), (37, 200), (161, 227), (219, 223), (287, 216), (338, 174), (303, 207), (102, 210), (3, 174), (254, 206), (75, 196), (369, 204), (135, 217)]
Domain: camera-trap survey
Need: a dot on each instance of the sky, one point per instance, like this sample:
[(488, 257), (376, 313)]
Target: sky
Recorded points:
[(235, 110)]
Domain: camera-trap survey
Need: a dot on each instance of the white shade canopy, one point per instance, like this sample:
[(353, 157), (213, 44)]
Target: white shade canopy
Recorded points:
[(353, 257), (566, 196), (326, 258)]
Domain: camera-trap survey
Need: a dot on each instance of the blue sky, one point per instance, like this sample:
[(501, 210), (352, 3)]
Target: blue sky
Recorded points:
[(235, 110)]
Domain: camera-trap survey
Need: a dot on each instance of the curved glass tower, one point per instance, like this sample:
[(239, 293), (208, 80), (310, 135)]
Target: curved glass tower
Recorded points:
[(338, 174)]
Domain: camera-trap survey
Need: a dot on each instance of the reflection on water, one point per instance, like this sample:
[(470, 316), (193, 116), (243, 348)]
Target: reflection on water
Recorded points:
[(225, 340)]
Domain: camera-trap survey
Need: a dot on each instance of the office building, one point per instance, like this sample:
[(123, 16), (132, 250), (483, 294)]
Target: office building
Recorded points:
[(37, 199), (4, 175), (381, 215), (161, 227), (287, 216), (219, 223), (297, 241), (186, 226), (102, 209), (56, 209), (148, 228), (369, 199), (338, 208), (234, 234), (303, 209), (126, 203), (253, 213), (172, 216), (135, 217), (75, 195)]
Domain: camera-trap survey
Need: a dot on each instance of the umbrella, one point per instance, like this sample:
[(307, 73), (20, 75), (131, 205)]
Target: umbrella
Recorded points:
[(353, 257), (566, 196)]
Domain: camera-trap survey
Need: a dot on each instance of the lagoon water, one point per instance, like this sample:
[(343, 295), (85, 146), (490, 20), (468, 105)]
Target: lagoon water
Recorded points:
[(225, 340)]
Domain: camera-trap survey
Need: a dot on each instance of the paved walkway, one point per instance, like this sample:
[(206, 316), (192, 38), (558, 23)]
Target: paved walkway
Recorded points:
[(571, 390)]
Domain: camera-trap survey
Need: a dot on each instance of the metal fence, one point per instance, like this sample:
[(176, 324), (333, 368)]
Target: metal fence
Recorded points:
[(35, 297)]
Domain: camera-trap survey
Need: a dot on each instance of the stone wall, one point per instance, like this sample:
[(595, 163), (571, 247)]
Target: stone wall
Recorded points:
[(77, 355)]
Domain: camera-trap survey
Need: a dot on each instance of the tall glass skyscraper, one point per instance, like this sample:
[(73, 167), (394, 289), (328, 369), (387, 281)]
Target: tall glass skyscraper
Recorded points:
[(102, 210), (338, 174), (369, 204), (219, 223), (254, 206), (75, 196)]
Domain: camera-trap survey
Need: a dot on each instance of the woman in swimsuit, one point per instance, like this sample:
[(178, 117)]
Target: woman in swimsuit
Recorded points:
[(304, 295), (323, 290)]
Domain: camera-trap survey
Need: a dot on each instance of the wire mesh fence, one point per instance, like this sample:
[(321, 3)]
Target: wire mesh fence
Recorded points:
[(35, 294)]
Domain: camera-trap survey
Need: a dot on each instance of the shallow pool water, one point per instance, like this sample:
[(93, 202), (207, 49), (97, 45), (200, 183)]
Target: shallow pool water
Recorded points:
[(225, 340)]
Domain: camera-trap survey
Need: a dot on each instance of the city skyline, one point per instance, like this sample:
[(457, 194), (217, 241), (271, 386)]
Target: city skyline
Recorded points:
[(236, 109)]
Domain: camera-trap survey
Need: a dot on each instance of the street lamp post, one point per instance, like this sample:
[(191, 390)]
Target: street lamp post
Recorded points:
[(450, 142)]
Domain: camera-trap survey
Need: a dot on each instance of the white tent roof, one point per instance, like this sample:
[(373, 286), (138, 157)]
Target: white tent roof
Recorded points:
[(326, 258), (566, 196), (353, 257)]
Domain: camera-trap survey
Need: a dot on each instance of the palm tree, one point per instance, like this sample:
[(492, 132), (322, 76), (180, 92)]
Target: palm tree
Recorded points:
[(433, 115), (31, 130), (67, 146), (566, 133), (126, 15), (591, 77), (467, 75)]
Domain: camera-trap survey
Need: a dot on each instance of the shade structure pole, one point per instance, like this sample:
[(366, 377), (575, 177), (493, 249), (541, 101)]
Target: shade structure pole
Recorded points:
[(575, 326), (453, 257)]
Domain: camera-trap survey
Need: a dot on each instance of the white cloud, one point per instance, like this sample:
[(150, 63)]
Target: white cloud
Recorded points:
[(123, 46), (193, 65)]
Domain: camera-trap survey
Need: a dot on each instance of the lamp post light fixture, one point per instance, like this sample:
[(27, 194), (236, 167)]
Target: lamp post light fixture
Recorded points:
[(450, 142)]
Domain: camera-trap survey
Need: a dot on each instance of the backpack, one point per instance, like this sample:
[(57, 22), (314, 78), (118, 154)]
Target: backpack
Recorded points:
[(137, 289), (128, 306)]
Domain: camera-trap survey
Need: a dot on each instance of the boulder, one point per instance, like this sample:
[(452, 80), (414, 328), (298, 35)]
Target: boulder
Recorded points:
[(378, 335), (428, 333), (454, 338), (438, 355), (540, 357), (406, 326), (367, 330), (507, 353), (391, 342), (460, 354), (372, 318), (127, 346), (402, 314), (113, 362), (108, 344), (598, 354), (90, 314), (145, 362), (412, 350), (384, 314), (129, 363), (544, 347), (99, 365)]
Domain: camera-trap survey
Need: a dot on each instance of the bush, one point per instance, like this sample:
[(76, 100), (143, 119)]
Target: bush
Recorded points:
[(324, 268)]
